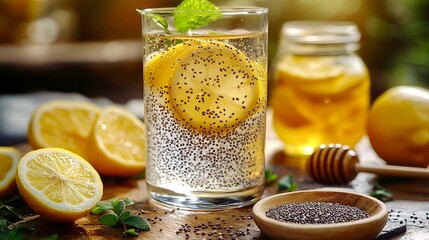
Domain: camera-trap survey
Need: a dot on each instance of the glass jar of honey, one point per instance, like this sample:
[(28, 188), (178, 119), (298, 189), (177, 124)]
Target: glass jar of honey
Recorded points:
[(320, 87)]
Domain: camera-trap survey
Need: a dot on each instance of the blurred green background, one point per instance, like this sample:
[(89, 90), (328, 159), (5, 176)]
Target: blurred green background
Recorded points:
[(93, 47)]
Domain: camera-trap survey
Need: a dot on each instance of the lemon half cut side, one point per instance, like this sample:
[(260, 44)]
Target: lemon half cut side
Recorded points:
[(118, 143), (9, 157), (58, 184), (63, 123)]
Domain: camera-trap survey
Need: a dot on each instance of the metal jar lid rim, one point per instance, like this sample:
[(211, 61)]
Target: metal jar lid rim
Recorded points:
[(320, 32)]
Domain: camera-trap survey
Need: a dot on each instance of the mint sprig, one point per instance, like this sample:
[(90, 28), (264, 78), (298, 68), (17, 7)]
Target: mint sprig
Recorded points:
[(114, 214), (189, 14), (202, 13)]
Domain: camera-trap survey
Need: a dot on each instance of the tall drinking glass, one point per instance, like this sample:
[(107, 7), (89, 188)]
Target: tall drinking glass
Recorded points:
[(205, 102)]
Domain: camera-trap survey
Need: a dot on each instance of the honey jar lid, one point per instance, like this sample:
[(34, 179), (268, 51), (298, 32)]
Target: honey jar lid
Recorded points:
[(330, 37), (321, 32)]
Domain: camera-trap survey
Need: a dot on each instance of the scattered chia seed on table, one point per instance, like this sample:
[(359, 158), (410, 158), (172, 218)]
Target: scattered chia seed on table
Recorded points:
[(316, 213)]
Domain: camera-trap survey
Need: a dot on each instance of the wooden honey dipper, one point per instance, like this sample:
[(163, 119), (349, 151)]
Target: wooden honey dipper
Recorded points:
[(335, 163)]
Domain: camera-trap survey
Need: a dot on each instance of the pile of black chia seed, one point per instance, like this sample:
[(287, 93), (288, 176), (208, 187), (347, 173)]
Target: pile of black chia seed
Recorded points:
[(316, 213)]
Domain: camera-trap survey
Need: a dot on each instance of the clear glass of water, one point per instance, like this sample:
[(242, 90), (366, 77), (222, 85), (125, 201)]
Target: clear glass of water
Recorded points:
[(205, 100)]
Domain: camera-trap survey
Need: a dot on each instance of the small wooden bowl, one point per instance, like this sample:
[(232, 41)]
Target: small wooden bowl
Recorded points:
[(367, 228)]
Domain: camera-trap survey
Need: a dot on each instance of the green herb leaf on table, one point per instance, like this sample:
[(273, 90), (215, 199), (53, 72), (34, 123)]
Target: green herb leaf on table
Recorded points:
[(9, 214), (128, 201), (3, 223), (52, 237), (381, 193), (124, 215), (15, 232), (114, 214), (118, 206), (109, 219), (98, 210), (12, 234), (131, 232), (202, 13), (8, 211), (270, 176), (137, 222), (287, 183), (104, 206), (12, 210)]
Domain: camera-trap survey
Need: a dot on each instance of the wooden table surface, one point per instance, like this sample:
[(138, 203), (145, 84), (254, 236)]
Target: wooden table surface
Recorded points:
[(411, 201)]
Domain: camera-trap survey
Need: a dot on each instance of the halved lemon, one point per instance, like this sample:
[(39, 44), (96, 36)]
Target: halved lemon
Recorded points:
[(118, 143), (63, 123), (214, 86), (9, 157), (58, 184)]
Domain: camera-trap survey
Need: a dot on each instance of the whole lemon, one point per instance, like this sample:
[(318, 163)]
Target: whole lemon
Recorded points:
[(398, 126)]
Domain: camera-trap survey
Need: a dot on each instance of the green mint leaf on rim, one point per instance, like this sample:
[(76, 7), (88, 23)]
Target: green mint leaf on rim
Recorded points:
[(156, 19), (159, 21), (202, 13)]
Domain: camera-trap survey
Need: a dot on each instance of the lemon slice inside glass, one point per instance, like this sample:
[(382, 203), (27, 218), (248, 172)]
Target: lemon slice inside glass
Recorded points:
[(214, 86), (160, 66)]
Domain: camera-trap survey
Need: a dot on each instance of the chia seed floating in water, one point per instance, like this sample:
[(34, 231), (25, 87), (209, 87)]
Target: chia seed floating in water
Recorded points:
[(316, 213)]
